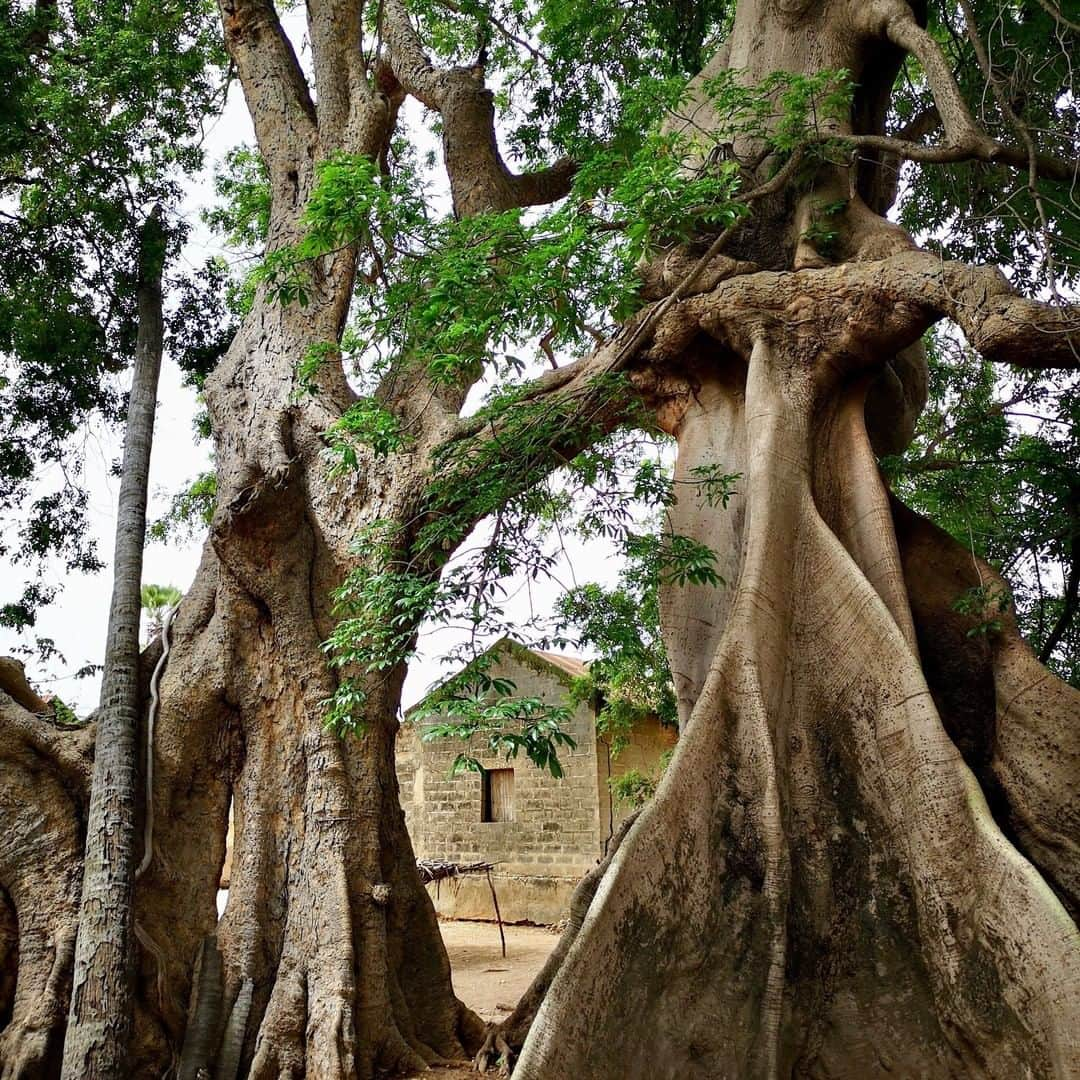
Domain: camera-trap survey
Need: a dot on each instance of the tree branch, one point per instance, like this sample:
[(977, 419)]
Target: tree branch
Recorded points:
[(274, 86), (990, 151), (916, 129), (868, 307), (1000, 324), (960, 128), (479, 178), (70, 749), (411, 65), (13, 682), (1002, 98), (964, 139), (340, 77), (1056, 14), (1071, 598)]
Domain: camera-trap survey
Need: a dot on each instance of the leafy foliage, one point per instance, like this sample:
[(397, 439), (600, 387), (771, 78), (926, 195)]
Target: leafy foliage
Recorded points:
[(785, 109), (190, 510), (103, 111), (478, 707), (600, 493), (539, 738), (982, 213), (635, 788), (242, 185), (989, 602), (629, 676), (156, 600), (366, 423), (447, 292)]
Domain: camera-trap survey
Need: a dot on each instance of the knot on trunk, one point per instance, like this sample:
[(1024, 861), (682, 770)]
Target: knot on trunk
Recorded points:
[(380, 893)]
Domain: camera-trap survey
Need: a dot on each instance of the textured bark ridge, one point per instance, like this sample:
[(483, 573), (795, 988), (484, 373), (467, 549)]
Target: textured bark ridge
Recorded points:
[(819, 888), (43, 805), (1012, 720)]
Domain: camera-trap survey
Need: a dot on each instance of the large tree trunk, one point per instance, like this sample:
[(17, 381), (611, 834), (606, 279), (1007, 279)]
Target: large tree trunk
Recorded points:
[(43, 804), (332, 961), (333, 964), (326, 923), (820, 887)]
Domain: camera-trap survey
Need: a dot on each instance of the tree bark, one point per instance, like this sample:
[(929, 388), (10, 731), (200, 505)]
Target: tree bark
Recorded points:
[(100, 1018), (43, 804), (346, 978), (328, 929), (819, 887), (819, 867), (822, 885)]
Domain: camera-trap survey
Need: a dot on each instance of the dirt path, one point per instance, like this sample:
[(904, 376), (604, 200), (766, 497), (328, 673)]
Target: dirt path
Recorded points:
[(487, 983)]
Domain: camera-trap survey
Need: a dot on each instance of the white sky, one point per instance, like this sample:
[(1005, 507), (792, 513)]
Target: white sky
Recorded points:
[(78, 620)]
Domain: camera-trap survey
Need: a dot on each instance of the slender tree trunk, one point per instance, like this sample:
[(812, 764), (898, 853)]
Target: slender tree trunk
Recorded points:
[(99, 1023)]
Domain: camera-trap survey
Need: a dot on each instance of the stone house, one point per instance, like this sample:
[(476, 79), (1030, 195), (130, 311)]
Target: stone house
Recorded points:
[(542, 833)]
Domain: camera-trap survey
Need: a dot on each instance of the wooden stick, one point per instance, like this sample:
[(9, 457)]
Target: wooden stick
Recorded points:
[(498, 917)]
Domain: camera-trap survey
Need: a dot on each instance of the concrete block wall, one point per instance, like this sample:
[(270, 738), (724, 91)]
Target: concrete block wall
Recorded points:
[(555, 835), (560, 827), (647, 745)]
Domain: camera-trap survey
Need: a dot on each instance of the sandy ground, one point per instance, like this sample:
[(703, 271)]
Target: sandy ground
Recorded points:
[(487, 983)]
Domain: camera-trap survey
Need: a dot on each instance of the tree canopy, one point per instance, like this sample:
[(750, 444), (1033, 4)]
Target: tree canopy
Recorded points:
[(735, 289), (105, 107)]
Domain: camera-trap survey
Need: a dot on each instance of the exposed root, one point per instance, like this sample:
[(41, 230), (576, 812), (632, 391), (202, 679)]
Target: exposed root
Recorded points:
[(28, 1043), (495, 1051), (279, 1050), (503, 1041)]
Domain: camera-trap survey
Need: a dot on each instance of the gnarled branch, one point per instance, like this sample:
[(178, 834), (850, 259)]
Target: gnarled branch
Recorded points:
[(479, 178), (897, 299)]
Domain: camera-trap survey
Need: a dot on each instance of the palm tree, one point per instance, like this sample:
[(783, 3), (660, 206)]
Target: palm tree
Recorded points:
[(156, 599), (99, 1022)]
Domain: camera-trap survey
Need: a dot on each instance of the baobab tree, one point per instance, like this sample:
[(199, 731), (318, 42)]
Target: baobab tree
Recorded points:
[(863, 856)]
